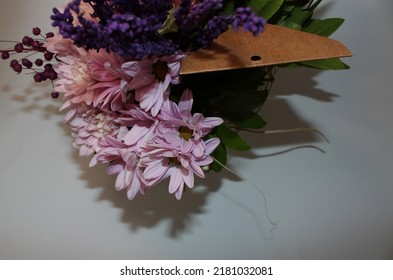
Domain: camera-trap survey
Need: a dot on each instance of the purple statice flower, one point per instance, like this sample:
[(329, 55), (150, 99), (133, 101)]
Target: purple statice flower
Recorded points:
[(197, 14), (151, 78), (129, 28), (215, 27), (246, 18)]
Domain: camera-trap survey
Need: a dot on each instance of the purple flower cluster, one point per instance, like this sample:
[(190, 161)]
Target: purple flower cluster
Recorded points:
[(132, 28), (246, 18), (129, 28)]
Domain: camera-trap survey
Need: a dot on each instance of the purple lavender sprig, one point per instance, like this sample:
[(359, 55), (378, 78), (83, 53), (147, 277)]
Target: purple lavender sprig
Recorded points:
[(132, 28), (250, 22), (129, 28)]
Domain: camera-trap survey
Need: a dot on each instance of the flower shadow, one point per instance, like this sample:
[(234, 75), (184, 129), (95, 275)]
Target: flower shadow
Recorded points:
[(157, 206), (36, 98)]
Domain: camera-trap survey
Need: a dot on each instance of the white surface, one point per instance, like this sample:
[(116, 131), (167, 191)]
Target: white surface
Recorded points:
[(331, 205)]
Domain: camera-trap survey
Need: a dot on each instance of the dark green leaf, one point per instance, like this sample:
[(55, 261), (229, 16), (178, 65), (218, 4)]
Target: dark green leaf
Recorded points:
[(298, 16), (231, 139), (220, 155), (245, 119), (257, 5), (229, 7), (326, 64), (270, 8), (324, 27)]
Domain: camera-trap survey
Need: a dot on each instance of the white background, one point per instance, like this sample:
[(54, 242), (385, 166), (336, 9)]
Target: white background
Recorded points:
[(330, 200)]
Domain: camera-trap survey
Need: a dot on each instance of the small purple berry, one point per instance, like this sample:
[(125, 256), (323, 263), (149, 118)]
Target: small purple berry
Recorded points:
[(48, 66), (13, 62), (54, 94), (49, 35), (18, 48), (35, 44), (36, 31), (27, 41), (17, 67), (39, 62), (27, 63), (48, 56), (38, 77), (5, 54), (51, 74)]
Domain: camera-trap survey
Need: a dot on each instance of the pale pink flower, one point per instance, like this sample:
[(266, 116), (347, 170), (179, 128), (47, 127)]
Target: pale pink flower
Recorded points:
[(177, 149), (182, 128), (74, 79), (105, 69), (164, 161), (90, 127), (58, 45), (91, 77), (152, 78), (125, 162)]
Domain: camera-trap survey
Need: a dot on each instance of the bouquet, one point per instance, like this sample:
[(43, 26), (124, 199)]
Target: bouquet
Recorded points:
[(159, 89)]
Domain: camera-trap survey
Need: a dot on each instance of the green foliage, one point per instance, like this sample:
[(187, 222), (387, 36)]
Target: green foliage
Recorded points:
[(231, 138), (324, 27), (244, 119), (326, 64), (220, 155)]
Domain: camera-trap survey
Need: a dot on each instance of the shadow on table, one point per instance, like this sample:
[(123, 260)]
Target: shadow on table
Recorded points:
[(157, 205)]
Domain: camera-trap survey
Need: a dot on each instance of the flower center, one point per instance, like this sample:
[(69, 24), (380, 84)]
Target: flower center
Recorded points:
[(174, 161), (160, 69), (103, 126), (185, 133)]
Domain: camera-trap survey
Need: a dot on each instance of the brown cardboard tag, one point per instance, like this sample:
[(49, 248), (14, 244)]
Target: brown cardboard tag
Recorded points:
[(276, 45)]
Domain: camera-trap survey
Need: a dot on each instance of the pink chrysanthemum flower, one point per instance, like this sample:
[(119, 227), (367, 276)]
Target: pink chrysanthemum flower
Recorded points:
[(125, 162), (182, 128), (177, 149), (151, 80), (91, 77), (164, 161), (91, 126), (58, 45)]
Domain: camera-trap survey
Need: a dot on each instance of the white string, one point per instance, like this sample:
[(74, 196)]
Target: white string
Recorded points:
[(252, 184)]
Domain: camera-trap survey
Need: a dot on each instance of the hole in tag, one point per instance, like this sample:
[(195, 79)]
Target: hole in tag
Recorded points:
[(256, 58)]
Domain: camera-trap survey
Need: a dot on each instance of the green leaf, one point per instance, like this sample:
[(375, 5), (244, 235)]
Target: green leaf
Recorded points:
[(291, 66), (169, 24), (326, 64), (298, 16), (324, 27), (219, 154), (231, 139), (245, 119), (257, 5), (291, 25), (229, 7), (269, 8)]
